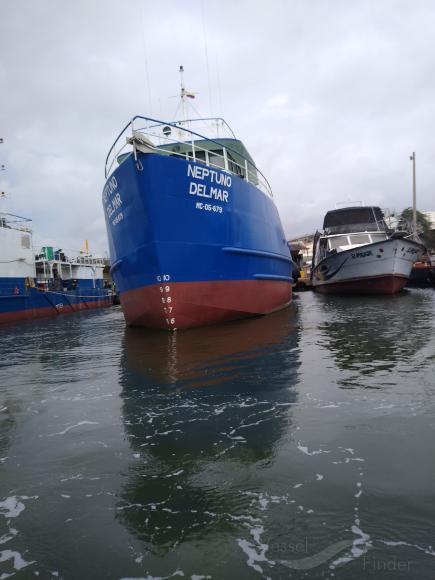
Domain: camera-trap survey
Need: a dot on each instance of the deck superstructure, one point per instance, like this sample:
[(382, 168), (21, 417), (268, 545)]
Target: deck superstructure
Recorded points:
[(46, 284)]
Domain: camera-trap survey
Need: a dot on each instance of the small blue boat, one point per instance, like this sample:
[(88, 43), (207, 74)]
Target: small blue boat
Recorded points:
[(47, 284)]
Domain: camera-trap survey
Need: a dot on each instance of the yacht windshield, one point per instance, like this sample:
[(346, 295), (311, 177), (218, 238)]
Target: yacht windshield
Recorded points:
[(378, 237), (334, 243), (356, 239)]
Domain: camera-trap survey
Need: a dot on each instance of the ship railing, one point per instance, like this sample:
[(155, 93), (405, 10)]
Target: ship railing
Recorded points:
[(15, 222), (76, 261), (87, 261), (189, 149), (210, 157), (203, 125)]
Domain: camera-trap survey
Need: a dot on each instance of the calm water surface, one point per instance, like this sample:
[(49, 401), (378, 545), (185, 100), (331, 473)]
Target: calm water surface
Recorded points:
[(298, 445)]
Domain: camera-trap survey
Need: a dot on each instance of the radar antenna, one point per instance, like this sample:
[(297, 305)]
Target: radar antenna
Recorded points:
[(184, 95)]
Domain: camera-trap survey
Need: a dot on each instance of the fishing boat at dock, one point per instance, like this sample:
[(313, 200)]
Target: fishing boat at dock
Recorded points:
[(47, 284), (195, 237), (357, 254)]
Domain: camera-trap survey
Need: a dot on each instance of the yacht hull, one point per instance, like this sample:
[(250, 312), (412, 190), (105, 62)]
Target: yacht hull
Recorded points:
[(378, 268)]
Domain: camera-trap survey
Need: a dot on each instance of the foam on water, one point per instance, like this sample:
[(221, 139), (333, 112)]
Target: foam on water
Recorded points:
[(255, 550), (6, 538), (72, 427), (149, 577), (315, 452), (12, 506), (17, 560), (429, 550)]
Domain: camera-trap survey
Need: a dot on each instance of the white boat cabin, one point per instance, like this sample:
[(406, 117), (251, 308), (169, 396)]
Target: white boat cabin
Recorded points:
[(348, 228), (54, 267), (341, 242)]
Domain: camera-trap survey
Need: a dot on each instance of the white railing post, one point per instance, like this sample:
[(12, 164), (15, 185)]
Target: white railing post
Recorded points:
[(246, 170), (225, 159), (193, 150), (132, 138)]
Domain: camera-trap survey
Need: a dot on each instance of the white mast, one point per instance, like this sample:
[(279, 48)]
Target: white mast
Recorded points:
[(182, 94)]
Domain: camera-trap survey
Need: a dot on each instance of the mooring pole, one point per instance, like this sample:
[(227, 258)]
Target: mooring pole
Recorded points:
[(414, 197)]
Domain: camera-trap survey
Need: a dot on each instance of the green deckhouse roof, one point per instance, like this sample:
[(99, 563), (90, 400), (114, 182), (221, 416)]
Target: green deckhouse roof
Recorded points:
[(236, 153), (236, 148)]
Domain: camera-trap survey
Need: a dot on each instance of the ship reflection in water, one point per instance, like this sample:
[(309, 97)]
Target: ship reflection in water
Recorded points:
[(201, 454), (370, 339), (206, 356)]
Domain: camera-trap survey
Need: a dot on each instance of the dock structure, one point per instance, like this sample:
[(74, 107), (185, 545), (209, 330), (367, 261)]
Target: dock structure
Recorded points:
[(302, 254), (303, 282)]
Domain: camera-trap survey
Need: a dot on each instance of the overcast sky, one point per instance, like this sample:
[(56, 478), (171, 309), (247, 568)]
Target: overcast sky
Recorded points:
[(330, 98)]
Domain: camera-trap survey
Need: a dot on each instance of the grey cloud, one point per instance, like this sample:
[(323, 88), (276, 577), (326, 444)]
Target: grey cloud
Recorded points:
[(329, 97)]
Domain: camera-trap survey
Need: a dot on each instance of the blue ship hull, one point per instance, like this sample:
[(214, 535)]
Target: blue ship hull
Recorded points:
[(193, 245), (19, 302)]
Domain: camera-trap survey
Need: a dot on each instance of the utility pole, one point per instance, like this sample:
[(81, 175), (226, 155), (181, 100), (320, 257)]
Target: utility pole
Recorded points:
[(2, 168), (414, 197)]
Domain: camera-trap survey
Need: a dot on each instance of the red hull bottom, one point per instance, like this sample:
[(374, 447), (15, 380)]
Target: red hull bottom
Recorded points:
[(188, 304), (50, 311), (377, 285)]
